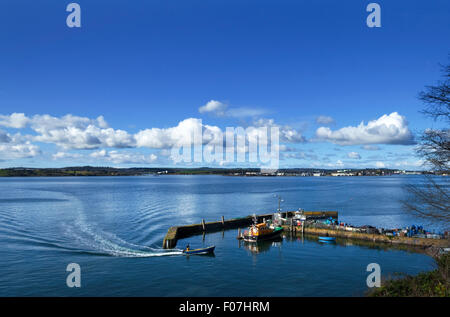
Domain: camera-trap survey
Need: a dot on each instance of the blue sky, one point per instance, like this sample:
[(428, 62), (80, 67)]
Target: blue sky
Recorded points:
[(147, 65)]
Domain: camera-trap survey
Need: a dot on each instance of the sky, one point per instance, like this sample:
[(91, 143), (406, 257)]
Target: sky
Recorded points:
[(138, 77)]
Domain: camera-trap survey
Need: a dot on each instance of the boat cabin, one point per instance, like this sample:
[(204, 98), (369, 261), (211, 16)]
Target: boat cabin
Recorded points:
[(260, 229)]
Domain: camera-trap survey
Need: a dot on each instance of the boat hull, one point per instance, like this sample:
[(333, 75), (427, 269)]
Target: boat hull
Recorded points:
[(273, 235), (327, 239), (208, 250)]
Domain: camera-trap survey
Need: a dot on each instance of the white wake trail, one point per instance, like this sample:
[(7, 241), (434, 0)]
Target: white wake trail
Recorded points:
[(98, 242)]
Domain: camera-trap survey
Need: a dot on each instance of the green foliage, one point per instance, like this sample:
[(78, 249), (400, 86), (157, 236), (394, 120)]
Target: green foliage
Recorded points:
[(427, 284)]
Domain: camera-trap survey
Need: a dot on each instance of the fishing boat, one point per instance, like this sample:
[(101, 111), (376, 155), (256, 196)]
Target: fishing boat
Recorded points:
[(260, 232), (207, 250)]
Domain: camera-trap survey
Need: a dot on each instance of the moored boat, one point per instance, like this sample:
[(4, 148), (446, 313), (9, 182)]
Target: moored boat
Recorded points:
[(328, 239), (261, 232)]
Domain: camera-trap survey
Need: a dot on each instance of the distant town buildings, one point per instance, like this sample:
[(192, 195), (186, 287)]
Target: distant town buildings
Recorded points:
[(111, 171)]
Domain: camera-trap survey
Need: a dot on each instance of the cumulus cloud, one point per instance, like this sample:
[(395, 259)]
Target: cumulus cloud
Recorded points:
[(182, 134), (10, 151), (213, 106), (354, 155), (324, 120), (74, 132), (70, 132), (15, 120), (16, 147), (388, 129)]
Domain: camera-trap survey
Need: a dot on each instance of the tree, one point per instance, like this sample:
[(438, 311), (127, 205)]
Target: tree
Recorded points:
[(431, 200)]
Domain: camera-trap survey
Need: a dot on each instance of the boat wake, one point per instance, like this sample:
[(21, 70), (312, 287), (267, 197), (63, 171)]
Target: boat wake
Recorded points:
[(107, 244), (90, 239)]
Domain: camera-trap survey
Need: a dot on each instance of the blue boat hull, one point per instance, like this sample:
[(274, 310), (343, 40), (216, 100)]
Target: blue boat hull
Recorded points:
[(327, 238), (208, 250)]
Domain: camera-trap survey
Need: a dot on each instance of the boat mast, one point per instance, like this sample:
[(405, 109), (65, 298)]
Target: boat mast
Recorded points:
[(279, 202)]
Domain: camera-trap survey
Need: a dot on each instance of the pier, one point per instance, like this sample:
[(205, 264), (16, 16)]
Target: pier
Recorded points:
[(180, 232), (377, 238)]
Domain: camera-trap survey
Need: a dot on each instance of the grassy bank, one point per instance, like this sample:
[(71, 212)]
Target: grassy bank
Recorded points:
[(427, 284)]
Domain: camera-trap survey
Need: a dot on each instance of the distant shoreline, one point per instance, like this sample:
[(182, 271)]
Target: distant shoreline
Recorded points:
[(249, 172)]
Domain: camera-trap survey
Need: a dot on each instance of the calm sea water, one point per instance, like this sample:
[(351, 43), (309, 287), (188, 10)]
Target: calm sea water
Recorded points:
[(113, 228)]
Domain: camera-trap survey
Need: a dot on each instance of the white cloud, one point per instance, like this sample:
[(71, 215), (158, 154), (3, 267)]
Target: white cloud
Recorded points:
[(324, 120), (388, 129), (15, 120), (354, 155), (180, 135), (221, 109), (215, 107), (16, 147), (70, 132), (73, 132), (10, 151)]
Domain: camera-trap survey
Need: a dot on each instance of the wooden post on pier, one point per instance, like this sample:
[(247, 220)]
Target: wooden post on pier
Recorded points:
[(223, 220), (203, 225)]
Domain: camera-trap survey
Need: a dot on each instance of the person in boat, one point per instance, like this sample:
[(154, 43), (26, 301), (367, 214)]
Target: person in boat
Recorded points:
[(187, 248)]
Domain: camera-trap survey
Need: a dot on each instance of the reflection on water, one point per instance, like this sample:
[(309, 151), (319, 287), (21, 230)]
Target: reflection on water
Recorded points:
[(261, 246)]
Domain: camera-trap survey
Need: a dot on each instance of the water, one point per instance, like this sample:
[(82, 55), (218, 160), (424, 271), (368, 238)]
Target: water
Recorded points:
[(114, 226)]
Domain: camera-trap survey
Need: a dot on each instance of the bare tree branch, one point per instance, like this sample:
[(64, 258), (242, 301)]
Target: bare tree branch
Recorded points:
[(437, 98), (431, 200)]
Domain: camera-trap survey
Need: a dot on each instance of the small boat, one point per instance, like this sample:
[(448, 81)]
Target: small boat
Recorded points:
[(260, 232), (207, 250), (327, 239)]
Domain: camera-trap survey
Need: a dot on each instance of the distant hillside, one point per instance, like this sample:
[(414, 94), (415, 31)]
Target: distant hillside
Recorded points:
[(111, 171)]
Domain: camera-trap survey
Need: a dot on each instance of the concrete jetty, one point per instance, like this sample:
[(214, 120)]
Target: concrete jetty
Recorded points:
[(377, 238), (180, 232)]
